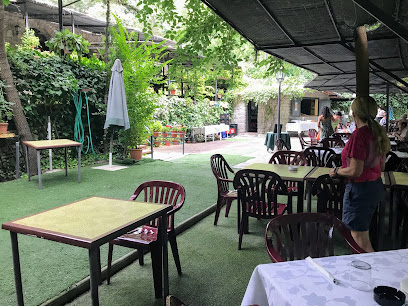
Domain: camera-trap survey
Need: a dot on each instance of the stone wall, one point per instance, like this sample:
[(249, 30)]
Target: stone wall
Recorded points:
[(267, 115), (46, 28), (240, 115)]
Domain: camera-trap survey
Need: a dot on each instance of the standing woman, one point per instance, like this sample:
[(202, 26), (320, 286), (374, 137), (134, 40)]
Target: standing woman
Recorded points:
[(324, 122), (363, 159)]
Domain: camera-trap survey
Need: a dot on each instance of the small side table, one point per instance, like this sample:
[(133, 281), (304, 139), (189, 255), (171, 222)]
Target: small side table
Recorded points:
[(39, 145)]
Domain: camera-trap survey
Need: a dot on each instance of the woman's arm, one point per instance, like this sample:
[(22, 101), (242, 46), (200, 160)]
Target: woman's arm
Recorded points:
[(318, 121), (354, 170)]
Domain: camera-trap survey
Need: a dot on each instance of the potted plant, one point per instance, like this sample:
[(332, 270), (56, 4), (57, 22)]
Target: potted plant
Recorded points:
[(174, 131), (158, 141), (156, 127), (182, 130), (167, 141), (172, 88), (6, 111), (165, 130)]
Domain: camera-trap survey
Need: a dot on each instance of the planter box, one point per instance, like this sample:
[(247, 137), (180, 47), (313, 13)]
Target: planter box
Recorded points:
[(136, 154)]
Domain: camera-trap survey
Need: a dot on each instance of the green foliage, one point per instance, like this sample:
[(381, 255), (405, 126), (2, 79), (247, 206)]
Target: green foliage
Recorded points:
[(399, 103), (179, 111), (141, 67), (67, 42), (6, 2), (29, 40), (6, 108), (46, 83)]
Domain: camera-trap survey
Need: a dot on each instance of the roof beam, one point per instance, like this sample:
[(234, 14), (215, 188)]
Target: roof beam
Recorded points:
[(229, 22), (386, 20), (329, 10), (266, 47), (389, 82), (392, 75), (322, 59), (272, 17), (71, 3)]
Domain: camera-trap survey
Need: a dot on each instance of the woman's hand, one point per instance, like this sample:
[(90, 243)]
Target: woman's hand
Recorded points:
[(332, 173)]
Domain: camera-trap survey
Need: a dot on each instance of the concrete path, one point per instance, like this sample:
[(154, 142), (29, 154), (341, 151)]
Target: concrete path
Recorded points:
[(248, 144)]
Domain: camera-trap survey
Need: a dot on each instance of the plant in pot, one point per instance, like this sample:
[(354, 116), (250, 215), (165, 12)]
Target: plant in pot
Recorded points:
[(156, 127), (172, 88), (158, 141), (167, 141), (174, 131), (6, 110), (165, 130)]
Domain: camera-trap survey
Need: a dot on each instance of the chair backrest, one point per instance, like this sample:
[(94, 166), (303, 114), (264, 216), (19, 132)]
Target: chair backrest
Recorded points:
[(332, 142), (162, 192), (220, 168), (258, 192), (297, 236), (342, 136), (392, 161), (288, 158), (319, 156), (403, 166), (330, 194), (275, 129), (303, 142), (313, 136)]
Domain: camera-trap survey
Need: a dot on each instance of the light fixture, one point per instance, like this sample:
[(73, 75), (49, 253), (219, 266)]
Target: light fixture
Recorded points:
[(280, 76), (16, 30)]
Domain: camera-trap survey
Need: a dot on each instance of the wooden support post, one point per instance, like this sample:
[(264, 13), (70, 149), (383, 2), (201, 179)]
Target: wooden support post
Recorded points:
[(362, 64)]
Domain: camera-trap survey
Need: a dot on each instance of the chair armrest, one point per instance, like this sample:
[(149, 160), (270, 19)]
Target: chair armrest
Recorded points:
[(226, 180)]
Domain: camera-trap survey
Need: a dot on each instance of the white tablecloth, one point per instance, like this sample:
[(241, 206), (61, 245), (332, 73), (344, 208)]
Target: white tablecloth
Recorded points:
[(298, 283), (401, 154), (211, 130), (300, 126)]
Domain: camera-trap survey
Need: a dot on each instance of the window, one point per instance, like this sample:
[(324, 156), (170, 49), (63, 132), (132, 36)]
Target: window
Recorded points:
[(309, 106)]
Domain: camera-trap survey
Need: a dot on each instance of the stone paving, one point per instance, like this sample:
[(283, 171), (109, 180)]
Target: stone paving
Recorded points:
[(248, 144)]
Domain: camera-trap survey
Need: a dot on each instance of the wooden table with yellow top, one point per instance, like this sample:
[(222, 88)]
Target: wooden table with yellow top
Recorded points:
[(399, 182), (287, 175), (39, 145), (88, 223)]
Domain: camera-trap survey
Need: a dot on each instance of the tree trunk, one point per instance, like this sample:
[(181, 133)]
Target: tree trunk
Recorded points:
[(12, 95)]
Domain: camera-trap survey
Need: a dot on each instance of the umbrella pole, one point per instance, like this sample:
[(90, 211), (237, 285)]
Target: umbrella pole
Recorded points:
[(111, 146)]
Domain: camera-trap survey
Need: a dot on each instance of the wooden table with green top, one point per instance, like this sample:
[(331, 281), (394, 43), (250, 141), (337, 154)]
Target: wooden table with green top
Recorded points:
[(39, 145), (88, 223), (287, 175)]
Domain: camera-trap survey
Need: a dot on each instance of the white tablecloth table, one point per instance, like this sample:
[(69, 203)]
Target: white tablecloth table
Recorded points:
[(300, 126), (400, 154), (211, 130), (298, 283)]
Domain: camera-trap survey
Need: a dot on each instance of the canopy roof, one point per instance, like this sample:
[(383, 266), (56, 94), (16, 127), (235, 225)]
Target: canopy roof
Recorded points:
[(318, 35)]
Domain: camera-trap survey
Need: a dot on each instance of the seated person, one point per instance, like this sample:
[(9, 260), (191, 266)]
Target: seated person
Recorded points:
[(403, 135), (383, 121), (379, 114)]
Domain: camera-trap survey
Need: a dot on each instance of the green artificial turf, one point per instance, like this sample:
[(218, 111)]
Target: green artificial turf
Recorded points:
[(48, 267), (204, 159)]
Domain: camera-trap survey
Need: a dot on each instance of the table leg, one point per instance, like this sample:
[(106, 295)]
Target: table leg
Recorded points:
[(17, 269), (79, 163), (163, 229), (66, 161), (94, 274), (301, 187), (39, 169), (27, 164), (309, 195)]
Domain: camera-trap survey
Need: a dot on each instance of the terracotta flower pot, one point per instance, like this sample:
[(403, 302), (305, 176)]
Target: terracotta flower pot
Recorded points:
[(156, 133), (167, 143), (165, 134), (174, 134), (3, 128), (157, 143), (175, 142), (136, 154), (172, 92)]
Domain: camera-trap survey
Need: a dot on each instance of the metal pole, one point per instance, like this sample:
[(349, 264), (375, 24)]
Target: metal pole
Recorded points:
[(73, 23), (17, 159), (49, 138), (60, 22), (216, 90), (183, 140), (151, 146), (279, 107), (26, 14), (388, 108)]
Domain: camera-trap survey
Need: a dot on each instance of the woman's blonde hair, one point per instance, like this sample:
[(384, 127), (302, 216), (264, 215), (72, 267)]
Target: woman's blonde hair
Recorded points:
[(365, 108)]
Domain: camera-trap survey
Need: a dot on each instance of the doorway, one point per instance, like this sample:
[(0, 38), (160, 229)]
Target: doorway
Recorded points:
[(252, 115)]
